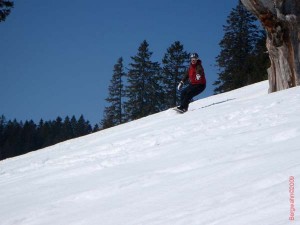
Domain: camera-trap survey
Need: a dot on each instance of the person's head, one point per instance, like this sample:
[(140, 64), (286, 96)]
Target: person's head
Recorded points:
[(194, 57)]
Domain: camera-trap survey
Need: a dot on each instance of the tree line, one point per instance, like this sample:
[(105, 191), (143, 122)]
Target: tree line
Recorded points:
[(17, 137)]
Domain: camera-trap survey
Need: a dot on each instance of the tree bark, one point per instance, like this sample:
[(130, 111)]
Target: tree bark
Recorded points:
[(281, 20)]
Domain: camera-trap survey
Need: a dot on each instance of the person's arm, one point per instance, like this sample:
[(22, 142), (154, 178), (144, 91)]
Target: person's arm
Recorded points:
[(185, 77), (200, 70)]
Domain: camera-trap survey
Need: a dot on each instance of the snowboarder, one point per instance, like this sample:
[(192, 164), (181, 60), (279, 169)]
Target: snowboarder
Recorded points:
[(197, 82)]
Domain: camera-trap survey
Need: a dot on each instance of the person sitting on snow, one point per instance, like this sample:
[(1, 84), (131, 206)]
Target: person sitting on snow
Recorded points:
[(197, 82)]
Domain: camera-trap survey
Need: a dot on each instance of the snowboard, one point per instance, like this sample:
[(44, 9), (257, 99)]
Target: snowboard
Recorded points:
[(179, 111)]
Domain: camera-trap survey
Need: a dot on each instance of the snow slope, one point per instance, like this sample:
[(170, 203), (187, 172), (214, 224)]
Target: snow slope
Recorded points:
[(227, 161)]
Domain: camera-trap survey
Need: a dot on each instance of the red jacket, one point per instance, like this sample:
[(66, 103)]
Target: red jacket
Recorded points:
[(195, 74)]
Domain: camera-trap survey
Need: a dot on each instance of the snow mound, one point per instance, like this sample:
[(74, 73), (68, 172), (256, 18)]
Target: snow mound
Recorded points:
[(228, 161)]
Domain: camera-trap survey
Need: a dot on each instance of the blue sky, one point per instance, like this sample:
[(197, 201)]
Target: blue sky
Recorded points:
[(57, 58)]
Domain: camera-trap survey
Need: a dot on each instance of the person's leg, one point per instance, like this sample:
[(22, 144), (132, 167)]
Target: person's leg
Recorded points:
[(185, 93), (188, 93)]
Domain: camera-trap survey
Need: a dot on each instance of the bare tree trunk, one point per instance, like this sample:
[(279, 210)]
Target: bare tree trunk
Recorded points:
[(281, 20)]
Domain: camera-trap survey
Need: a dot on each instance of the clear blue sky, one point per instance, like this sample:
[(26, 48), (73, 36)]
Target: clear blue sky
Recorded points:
[(57, 57)]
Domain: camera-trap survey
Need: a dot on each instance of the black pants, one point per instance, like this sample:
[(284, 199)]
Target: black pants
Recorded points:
[(189, 92)]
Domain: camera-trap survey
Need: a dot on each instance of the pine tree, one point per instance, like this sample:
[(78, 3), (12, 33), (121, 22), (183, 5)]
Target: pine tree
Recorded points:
[(2, 138), (40, 134), (144, 90), (175, 62), (237, 49), (5, 9), (113, 114), (82, 127), (74, 125), (2, 126), (96, 128), (57, 130), (12, 139), (28, 137), (45, 133), (67, 129), (260, 60)]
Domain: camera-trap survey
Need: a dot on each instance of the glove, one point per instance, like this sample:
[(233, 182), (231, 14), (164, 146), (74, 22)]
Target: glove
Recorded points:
[(179, 85), (198, 76)]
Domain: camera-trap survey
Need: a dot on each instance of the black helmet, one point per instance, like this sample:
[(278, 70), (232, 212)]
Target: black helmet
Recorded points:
[(194, 55)]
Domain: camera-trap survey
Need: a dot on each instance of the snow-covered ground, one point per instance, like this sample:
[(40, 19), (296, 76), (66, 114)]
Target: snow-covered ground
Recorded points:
[(231, 160)]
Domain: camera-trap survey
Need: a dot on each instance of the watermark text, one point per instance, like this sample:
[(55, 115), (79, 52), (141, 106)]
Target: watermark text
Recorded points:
[(292, 197)]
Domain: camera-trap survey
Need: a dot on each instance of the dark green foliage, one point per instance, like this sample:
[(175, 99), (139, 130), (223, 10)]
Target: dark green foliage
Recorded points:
[(261, 60), (113, 114), (17, 138), (11, 139), (5, 9), (241, 52), (96, 128), (144, 91), (174, 62), (67, 129), (2, 127), (82, 127), (28, 137)]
